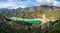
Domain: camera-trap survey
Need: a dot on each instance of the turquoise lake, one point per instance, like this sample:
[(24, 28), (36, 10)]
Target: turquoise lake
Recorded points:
[(32, 21)]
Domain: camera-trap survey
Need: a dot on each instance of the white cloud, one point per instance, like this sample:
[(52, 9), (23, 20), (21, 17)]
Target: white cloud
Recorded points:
[(48, 2), (7, 5), (27, 3), (14, 4), (57, 3)]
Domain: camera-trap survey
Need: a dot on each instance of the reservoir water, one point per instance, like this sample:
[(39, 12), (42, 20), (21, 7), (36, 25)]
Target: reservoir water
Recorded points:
[(31, 21)]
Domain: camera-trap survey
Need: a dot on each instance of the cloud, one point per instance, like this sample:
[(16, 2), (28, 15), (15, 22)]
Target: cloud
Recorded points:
[(48, 2), (7, 5), (15, 4), (56, 4), (11, 4), (26, 3)]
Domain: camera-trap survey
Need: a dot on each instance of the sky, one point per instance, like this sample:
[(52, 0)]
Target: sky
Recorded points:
[(13, 4)]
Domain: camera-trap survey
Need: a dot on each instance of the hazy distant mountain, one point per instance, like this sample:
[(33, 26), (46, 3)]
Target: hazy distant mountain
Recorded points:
[(28, 9)]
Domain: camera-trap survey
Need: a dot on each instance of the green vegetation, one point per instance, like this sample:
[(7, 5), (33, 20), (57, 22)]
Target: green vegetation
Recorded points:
[(25, 28), (53, 29), (56, 28)]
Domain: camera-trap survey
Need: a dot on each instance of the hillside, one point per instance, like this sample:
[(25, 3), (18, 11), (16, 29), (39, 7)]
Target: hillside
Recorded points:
[(32, 12), (8, 26)]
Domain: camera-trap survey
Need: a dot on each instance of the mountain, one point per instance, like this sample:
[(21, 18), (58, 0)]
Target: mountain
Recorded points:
[(8, 26), (30, 12), (29, 9)]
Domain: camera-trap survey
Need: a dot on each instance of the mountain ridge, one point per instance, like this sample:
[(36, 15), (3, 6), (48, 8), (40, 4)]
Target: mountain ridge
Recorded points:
[(30, 9)]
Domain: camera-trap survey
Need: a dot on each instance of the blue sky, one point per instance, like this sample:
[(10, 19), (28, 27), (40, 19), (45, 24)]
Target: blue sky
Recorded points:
[(27, 3)]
